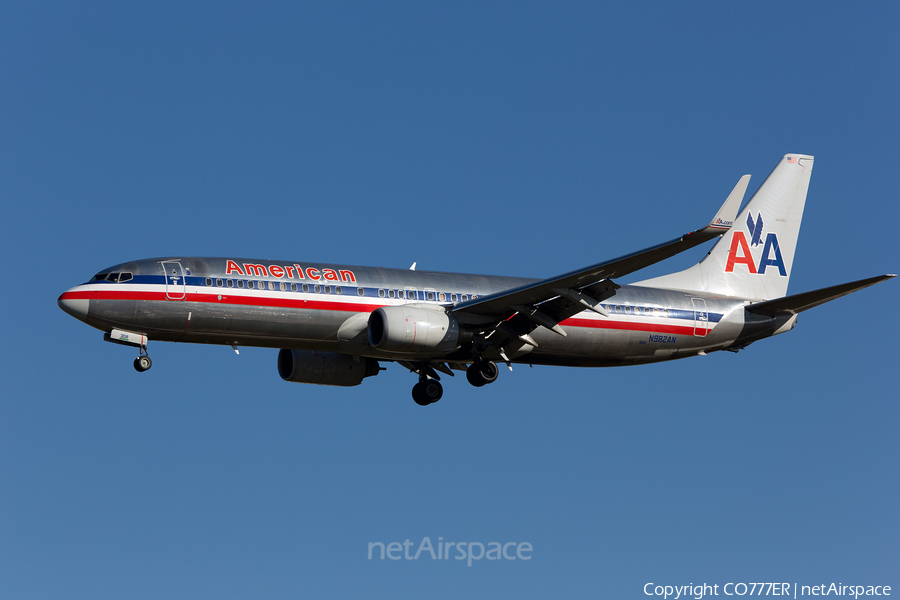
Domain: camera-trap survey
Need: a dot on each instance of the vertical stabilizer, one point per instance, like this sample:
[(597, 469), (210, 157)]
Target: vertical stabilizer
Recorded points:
[(754, 258)]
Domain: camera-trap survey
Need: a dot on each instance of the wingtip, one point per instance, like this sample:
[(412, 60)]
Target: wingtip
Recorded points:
[(726, 215)]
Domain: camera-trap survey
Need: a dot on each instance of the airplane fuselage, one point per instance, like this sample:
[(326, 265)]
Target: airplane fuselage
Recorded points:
[(322, 307)]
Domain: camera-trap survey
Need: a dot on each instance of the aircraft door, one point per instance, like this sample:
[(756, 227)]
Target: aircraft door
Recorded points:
[(701, 317), (174, 280)]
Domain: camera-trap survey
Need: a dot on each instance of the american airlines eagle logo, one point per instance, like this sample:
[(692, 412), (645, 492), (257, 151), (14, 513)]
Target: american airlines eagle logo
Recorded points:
[(755, 229), (739, 253)]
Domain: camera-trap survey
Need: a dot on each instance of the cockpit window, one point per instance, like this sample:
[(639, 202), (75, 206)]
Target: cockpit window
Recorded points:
[(99, 277), (125, 277), (114, 277)]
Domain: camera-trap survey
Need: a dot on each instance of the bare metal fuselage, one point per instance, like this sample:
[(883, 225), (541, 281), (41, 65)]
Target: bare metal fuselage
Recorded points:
[(326, 308)]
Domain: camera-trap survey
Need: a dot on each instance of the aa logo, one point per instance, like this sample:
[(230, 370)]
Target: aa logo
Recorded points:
[(739, 253)]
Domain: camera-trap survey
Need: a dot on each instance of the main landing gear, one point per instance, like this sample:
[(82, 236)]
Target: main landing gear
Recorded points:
[(482, 372), (427, 391)]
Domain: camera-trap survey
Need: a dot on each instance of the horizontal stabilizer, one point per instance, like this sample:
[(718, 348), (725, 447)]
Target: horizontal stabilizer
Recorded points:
[(799, 302)]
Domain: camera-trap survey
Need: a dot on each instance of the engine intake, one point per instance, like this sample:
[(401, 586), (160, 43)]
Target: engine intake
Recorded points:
[(414, 329), (325, 368)]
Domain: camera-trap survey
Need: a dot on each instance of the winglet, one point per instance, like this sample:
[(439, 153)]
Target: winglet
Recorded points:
[(727, 214)]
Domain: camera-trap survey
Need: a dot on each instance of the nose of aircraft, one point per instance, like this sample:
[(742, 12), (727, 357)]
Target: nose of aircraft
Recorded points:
[(77, 307)]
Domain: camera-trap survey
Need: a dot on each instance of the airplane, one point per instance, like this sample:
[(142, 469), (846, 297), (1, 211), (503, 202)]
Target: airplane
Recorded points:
[(336, 324)]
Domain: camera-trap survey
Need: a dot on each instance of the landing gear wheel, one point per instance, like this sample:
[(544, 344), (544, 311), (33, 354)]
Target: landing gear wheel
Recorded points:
[(427, 392), (142, 363), (473, 376), (482, 373), (433, 390), (418, 394)]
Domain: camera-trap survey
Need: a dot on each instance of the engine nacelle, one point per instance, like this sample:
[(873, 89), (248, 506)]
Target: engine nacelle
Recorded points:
[(325, 368), (414, 329)]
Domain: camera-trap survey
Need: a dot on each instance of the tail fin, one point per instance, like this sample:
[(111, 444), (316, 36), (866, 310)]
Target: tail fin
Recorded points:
[(753, 259)]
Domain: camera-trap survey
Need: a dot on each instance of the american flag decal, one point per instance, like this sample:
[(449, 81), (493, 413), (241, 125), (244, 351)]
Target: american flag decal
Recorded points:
[(791, 159)]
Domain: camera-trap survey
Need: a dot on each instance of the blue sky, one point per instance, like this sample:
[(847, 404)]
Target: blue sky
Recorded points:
[(507, 138)]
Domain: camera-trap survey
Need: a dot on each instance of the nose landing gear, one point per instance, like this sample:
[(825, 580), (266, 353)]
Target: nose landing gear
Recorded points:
[(135, 340), (143, 363)]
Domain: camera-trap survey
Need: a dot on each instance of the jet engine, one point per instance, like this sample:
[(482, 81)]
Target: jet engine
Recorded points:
[(325, 368), (414, 329)]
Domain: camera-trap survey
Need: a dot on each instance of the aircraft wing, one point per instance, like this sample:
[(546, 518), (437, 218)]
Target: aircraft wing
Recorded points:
[(573, 285), (791, 305)]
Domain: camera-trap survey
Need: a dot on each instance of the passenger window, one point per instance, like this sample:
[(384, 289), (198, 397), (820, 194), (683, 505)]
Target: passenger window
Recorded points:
[(627, 310), (209, 281), (231, 283), (240, 283), (429, 295), (293, 287), (381, 293), (465, 297), (618, 309), (272, 285), (452, 297), (327, 289), (442, 296), (391, 293), (360, 292), (219, 282), (125, 277), (338, 290), (317, 289), (305, 288), (474, 296), (283, 286), (401, 294)]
